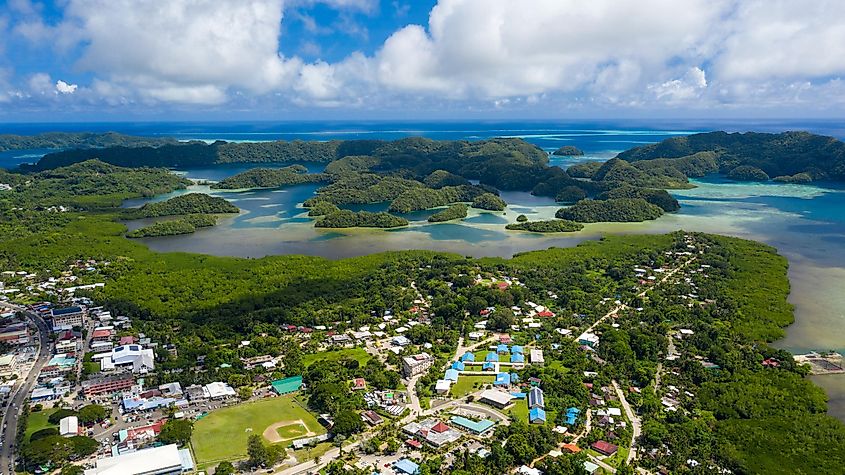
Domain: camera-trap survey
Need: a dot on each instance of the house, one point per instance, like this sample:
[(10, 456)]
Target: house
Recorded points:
[(536, 356), (218, 390), (537, 416), (517, 358), (502, 379), (101, 334), (505, 339), (497, 399), (571, 448), (492, 357), (359, 384), (502, 349), (535, 398), (406, 467), (526, 470), (588, 339), (458, 366), (590, 467), (604, 447), (107, 384), (572, 416), (442, 386), (468, 356), (488, 366), (517, 349), (372, 418), (451, 374), (416, 364), (400, 340)]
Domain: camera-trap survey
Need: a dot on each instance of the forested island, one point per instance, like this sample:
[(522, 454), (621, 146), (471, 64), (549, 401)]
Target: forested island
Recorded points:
[(190, 203), (550, 226), (184, 225), (360, 219), (624, 210), (568, 151), (269, 178), (78, 140), (455, 211)]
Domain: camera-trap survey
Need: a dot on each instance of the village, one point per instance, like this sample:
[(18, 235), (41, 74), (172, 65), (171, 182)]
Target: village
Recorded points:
[(96, 357)]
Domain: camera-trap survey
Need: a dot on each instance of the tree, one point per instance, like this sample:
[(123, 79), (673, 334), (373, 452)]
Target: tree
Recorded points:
[(293, 361), (224, 468), (347, 422), (244, 392), (72, 470), (176, 431), (257, 451), (92, 413)]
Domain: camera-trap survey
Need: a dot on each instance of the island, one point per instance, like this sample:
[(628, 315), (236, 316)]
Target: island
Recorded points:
[(185, 225), (626, 210), (455, 211), (550, 226), (489, 202), (190, 203), (269, 178), (568, 151), (361, 219)]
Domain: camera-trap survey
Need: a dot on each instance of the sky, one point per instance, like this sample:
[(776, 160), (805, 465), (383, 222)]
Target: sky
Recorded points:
[(89, 60)]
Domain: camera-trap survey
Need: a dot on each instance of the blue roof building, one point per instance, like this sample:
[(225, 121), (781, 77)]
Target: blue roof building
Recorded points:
[(570, 420), (517, 358), (488, 366), (537, 416), (479, 427), (491, 357), (573, 410), (514, 378), (407, 467), (502, 348), (516, 349), (535, 398), (518, 395), (468, 357), (458, 366), (502, 379), (451, 374)]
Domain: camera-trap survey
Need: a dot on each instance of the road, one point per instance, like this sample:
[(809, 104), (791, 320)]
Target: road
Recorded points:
[(635, 422), (11, 413)]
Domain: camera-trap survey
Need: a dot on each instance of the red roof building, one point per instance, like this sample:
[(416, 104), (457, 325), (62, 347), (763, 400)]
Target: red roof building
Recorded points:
[(359, 383), (440, 428), (545, 313), (414, 443), (505, 338), (101, 335), (604, 448), (127, 340)]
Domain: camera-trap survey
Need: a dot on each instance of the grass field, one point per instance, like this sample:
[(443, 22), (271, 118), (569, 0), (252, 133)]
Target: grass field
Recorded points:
[(38, 421), (292, 431), (223, 434), (519, 411), (467, 384), (358, 354)]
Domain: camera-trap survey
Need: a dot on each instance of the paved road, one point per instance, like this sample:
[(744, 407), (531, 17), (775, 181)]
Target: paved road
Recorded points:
[(19, 397)]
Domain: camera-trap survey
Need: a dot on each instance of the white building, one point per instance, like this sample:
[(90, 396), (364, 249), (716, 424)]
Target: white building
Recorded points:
[(537, 356), (69, 426), (164, 460), (416, 364), (218, 390), (134, 357), (442, 386)]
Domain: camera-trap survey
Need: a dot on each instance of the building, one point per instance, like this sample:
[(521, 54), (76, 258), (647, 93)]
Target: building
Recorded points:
[(57, 366), (407, 467), (195, 393), (15, 334), (492, 357), (535, 398), (536, 356), (371, 417), (102, 334), (526, 470), (218, 390), (604, 447), (517, 358), (164, 460), (401, 340), (133, 357), (66, 318), (572, 416), (588, 339), (107, 385), (309, 441), (432, 431), (442, 386), (468, 357), (102, 347), (171, 389), (497, 399), (43, 394), (458, 366), (451, 374), (416, 364), (502, 379), (476, 427), (287, 385), (69, 426), (7, 365), (537, 416)]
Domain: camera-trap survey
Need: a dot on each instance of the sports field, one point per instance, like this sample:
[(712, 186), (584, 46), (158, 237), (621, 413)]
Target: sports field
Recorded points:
[(223, 434), (467, 384)]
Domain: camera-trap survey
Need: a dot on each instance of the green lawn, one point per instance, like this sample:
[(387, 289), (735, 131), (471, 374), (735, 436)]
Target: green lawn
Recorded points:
[(519, 411), (38, 421), (223, 434), (309, 453), (467, 384), (292, 431), (358, 354)]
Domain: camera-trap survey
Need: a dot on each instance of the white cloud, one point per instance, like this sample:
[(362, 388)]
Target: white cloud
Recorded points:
[(687, 88), (65, 88)]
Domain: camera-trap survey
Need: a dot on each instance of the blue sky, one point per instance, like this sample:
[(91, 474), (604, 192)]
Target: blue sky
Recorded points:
[(367, 59)]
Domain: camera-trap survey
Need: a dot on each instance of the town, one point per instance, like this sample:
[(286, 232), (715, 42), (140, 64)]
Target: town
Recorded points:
[(75, 370)]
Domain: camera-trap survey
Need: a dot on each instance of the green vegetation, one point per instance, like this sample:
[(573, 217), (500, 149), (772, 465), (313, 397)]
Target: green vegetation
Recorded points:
[(747, 173), (358, 354), (176, 431), (467, 384), (191, 203), (362, 189), (441, 178), (568, 151), (660, 198), (490, 202), (361, 219), (584, 170), (224, 433), (570, 194), (269, 178), (184, 225), (416, 199), (455, 211), (551, 226), (783, 154), (322, 208), (521, 218), (798, 178), (64, 140), (626, 210)]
